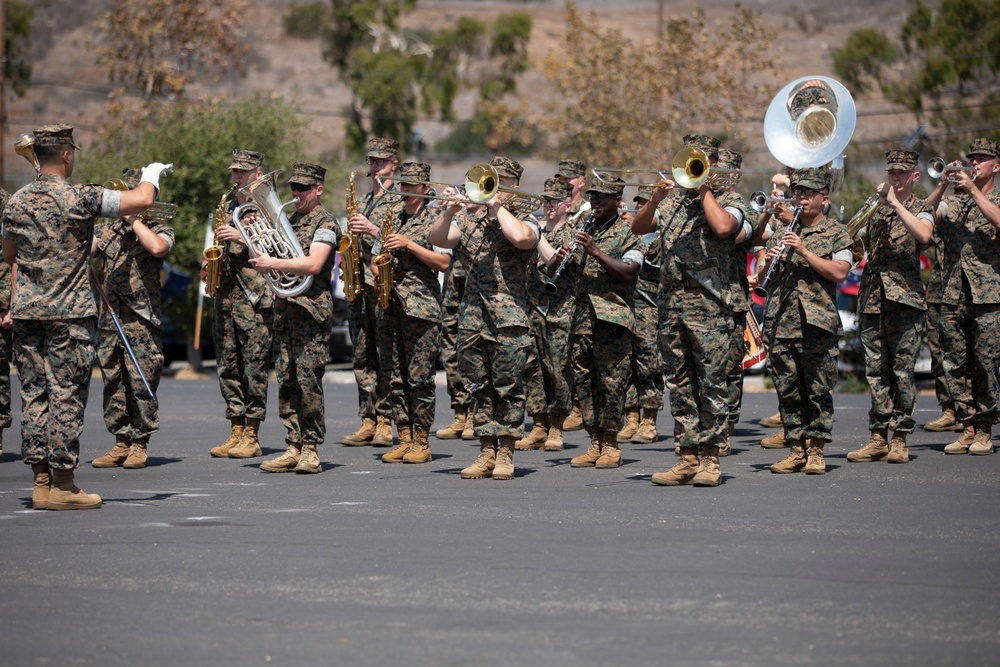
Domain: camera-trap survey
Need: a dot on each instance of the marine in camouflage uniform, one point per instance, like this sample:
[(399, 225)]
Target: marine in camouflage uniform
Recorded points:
[(241, 326), (376, 417), (891, 308), (132, 253), (47, 231), (548, 376), (409, 329), (967, 224), (696, 318), (644, 396), (6, 338), (454, 289), (946, 421), (496, 249), (302, 324), (802, 324), (603, 324)]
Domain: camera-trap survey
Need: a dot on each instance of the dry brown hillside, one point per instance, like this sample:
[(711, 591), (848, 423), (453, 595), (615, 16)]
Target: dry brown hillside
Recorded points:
[(70, 86)]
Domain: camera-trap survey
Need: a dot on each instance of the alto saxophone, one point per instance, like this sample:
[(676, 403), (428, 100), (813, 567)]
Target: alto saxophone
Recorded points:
[(350, 249), (213, 253), (383, 263)]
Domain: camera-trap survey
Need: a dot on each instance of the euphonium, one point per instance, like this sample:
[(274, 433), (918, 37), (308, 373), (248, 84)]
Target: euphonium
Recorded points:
[(383, 262), (269, 233), (350, 249), (213, 253), (159, 211)]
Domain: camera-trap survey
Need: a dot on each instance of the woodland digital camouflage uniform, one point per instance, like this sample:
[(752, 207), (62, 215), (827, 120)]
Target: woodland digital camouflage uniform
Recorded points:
[(6, 335), (410, 330), (51, 222), (891, 316), (302, 336), (645, 387), (741, 299), (454, 289), (132, 286), (932, 320), (241, 330)]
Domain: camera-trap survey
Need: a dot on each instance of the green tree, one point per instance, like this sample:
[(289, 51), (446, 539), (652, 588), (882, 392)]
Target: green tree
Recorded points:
[(17, 26), (199, 139), (863, 56)]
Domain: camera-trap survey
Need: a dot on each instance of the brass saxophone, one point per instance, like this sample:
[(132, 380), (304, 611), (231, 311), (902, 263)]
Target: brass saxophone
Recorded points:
[(213, 253), (350, 249), (383, 262)]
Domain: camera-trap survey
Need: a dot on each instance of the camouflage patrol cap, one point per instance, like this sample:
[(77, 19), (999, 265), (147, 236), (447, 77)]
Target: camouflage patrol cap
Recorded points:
[(729, 159), (246, 160), (381, 148), (417, 171), (53, 135), (608, 185), (556, 189), (571, 169), (131, 177), (900, 160), (813, 178), (305, 173), (506, 167), (645, 194), (983, 147), (703, 142)]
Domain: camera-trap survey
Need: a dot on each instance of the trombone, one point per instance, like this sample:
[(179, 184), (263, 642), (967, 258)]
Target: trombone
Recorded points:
[(482, 182), (422, 195), (689, 168), (601, 172), (938, 168)]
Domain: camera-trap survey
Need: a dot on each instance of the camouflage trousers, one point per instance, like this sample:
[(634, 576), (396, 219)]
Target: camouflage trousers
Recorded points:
[(601, 367), (364, 337), (449, 359), (645, 387), (243, 349), (548, 377), (301, 351), (970, 341), (933, 316), (54, 360), (6, 356), (408, 349), (805, 374), (129, 411), (891, 340), (734, 376), (492, 363), (695, 345)]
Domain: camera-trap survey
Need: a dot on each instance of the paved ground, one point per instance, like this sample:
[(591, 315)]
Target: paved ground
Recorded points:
[(196, 561)]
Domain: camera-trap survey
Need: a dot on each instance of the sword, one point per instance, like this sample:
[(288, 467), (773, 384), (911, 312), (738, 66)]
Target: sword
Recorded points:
[(121, 333)]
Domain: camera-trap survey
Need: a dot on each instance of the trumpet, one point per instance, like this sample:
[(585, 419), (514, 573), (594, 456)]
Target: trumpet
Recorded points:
[(482, 182), (761, 289), (760, 201), (938, 168)]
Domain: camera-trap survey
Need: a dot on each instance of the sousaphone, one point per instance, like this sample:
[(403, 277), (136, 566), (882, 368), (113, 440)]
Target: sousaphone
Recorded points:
[(810, 122)]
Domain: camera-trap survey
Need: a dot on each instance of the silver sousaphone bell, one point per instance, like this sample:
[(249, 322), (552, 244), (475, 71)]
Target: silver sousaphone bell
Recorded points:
[(810, 122)]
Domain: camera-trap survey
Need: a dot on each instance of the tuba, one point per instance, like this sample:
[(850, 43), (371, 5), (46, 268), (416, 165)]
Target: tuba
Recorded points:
[(213, 253), (268, 232), (810, 122), (350, 249)]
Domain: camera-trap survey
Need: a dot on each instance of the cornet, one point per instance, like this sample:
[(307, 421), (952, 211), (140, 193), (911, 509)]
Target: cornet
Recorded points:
[(760, 201), (938, 168)]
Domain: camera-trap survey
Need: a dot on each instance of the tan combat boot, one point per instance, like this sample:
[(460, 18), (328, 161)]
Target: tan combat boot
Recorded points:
[(962, 443), (284, 463), (727, 448), (396, 454), (453, 431), (308, 461), (898, 451), (774, 441), (504, 466), (611, 454), (683, 471), (363, 436), (469, 432), (815, 465), (708, 473), (383, 432), (876, 449), (774, 421), (40, 491), (631, 425), (249, 446), (116, 456), (794, 462), (574, 422), (63, 494), (236, 432), (946, 422), (647, 428), (136, 456), (420, 450), (538, 435), (485, 462), (589, 458), (981, 444), (554, 443)]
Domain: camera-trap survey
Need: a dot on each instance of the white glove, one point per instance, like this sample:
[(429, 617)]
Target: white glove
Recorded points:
[(151, 173)]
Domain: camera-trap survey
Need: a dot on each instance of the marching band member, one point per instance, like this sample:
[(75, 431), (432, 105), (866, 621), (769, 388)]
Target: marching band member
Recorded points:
[(7, 273)]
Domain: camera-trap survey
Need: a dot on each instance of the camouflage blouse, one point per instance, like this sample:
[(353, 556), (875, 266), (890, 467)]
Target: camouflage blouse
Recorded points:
[(599, 295), (414, 283), (316, 226), (238, 280), (131, 273), (968, 245), (892, 271)]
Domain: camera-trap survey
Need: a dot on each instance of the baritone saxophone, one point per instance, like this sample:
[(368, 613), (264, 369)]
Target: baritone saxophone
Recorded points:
[(350, 249)]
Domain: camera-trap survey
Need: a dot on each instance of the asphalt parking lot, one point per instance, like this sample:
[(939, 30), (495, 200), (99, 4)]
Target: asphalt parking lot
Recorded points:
[(198, 561)]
